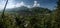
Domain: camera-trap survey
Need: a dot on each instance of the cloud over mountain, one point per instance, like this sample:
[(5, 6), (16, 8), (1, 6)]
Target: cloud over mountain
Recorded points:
[(11, 4), (36, 4)]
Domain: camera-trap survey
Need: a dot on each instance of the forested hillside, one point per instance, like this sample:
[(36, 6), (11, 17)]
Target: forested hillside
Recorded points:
[(27, 17)]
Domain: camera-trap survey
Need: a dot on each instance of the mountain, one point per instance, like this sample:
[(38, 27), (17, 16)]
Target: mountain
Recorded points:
[(17, 9), (29, 11), (41, 10)]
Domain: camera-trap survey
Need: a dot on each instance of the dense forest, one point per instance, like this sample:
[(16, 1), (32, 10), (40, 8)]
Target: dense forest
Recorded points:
[(36, 17)]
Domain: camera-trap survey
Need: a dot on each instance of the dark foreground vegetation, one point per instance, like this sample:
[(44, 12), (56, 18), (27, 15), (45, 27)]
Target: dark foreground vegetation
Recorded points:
[(36, 17)]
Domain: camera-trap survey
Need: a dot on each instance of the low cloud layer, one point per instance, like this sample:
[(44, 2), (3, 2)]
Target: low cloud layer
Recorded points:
[(12, 5)]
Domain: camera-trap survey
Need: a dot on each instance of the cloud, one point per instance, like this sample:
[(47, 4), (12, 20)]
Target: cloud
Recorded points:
[(2, 2), (20, 4), (36, 4), (28, 6), (11, 4)]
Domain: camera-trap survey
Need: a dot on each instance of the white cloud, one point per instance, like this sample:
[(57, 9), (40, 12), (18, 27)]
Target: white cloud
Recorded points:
[(36, 4), (20, 4), (2, 2), (11, 4), (28, 6), (1, 6)]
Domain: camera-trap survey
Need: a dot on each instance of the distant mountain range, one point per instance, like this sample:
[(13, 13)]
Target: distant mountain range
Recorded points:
[(25, 11)]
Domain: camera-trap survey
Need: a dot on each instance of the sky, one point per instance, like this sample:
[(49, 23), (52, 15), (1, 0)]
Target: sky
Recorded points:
[(50, 4)]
